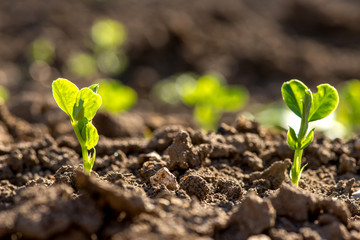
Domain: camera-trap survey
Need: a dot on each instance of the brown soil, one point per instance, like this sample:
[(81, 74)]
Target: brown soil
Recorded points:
[(178, 184)]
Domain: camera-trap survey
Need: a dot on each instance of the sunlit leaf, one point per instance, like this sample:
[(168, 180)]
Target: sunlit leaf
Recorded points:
[(65, 93), (325, 101), (90, 135), (292, 138), (293, 93), (87, 103)]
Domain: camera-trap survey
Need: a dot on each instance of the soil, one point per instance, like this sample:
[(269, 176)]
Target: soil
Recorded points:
[(180, 183), (177, 182)]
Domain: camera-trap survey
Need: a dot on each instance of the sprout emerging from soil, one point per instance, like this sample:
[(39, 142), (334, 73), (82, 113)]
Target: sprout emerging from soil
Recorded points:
[(309, 107), (80, 106)]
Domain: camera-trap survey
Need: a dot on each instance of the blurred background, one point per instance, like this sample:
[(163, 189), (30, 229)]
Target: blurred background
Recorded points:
[(209, 60)]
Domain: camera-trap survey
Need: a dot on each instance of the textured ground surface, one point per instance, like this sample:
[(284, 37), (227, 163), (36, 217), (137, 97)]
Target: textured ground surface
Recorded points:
[(178, 184)]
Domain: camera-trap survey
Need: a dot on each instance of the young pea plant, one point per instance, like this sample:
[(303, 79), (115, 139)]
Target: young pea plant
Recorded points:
[(80, 106), (309, 107)]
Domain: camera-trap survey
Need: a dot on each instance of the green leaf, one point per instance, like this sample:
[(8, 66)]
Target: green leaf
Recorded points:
[(90, 135), (308, 139), (87, 103), (292, 138), (94, 87), (293, 93), (65, 93), (325, 101)]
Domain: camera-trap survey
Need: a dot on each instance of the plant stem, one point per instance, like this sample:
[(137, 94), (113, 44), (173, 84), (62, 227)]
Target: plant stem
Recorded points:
[(87, 167), (296, 167), (84, 151)]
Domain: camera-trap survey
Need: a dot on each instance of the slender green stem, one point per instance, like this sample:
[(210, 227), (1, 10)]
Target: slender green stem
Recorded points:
[(84, 151), (296, 167), (87, 165)]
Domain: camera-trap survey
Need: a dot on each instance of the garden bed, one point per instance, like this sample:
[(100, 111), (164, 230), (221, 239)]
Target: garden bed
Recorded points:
[(156, 175), (232, 184)]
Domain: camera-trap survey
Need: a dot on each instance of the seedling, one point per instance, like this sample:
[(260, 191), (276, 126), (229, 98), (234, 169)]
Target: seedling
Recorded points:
[(80, 106), (309, 107), (208, 94), (348, 112), (116, 97), (4, 94)]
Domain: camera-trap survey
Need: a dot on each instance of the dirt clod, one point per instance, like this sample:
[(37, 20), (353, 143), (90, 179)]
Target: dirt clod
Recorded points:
[(347, 164), (275, 173), (183, 154), (164, 177), (252, 217), (195, 186)]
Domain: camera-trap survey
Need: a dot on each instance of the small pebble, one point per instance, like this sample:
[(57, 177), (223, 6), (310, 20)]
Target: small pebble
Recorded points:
[(164, 177)]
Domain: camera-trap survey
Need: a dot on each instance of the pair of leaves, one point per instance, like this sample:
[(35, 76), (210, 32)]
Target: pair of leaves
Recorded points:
[(294, 142), (76, 104), (324, 101), (81, 106)]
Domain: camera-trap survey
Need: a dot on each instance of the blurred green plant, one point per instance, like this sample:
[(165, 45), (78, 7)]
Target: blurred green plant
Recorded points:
[(348, 112), (4, 95), (171, 90), (108, 34), (111, 62), (116, 97), (208, 94), (42, 49), (106, 55), (82, 64)]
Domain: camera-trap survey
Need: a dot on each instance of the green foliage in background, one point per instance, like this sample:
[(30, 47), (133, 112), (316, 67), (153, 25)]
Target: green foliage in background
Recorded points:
[(82, 64), (348, 112), (108, 33), (209, 95), (4, 95), (309, 107), (116, 97), (106, 55), (42, 49), (81, 107)]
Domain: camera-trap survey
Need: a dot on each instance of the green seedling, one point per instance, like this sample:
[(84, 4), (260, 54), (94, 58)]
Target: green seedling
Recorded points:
[(108, 34), (348, 112), (42, 49), (309, 107), (80, 106), (105, 55), (4, 94), (116, 97), (211, 97), (82, 64)]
